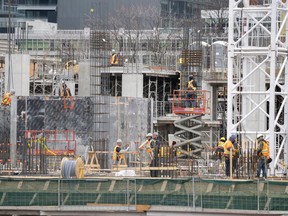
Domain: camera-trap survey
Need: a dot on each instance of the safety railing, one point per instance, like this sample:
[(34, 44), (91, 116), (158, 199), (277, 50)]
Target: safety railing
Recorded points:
[(191, 102), (198, 194)]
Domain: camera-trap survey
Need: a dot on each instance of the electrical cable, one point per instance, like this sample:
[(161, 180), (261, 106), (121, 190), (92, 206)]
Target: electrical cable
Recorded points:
[(68, 169)]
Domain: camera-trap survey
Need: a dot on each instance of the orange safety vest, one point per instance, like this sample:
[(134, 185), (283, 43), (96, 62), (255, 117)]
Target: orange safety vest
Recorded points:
[(6, 101), (116, 154), (227, 146), (220, 144), (114, 59), (265, 150), (148, 147)]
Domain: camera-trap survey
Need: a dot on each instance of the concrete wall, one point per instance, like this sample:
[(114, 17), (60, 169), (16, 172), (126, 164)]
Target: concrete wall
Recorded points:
[(132, 85), (84, 79), (20, 69)]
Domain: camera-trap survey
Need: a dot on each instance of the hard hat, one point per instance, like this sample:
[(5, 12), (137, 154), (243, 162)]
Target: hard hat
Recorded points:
[(149, 135), (232, 137), (259, 136), (155, 134), (119, 141), (222, 138)]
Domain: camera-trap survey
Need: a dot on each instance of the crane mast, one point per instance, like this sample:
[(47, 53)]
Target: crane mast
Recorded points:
[(257, 74)]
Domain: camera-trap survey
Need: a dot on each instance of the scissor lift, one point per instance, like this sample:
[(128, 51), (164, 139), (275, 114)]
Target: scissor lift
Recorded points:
[(191, 106)]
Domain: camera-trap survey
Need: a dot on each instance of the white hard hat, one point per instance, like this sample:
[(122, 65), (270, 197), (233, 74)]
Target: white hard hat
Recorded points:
[(260, 135), (149, 135), (119, 141)]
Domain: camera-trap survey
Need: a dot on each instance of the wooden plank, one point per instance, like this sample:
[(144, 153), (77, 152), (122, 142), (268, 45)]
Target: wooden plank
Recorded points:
[(98, 186), (164, 184), (142, 208), (178, 187), (209, 187), (19, 184), (140, 188), (266, 207), (231, 189), (139, 208), (33, 198), (3, 198), (112, 185), (229, 202), (98, 198), (261, 186), (66, 198), (46, 185)]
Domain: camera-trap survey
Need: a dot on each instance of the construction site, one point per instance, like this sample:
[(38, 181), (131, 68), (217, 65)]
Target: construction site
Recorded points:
[(72, 98)]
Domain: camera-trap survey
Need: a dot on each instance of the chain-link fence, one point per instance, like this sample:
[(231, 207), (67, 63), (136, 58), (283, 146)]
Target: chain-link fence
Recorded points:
[(258, 196)]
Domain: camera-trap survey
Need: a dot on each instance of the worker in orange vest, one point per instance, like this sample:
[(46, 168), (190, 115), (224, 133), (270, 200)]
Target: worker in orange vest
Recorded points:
[(6, 101), (118, 152), (263, 153), (220, 148)]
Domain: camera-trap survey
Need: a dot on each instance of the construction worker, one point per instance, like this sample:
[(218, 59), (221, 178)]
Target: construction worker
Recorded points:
[(232, 145), (263, 153), (191, 94), (220, 148), (6, 101), (114, 59), (118, 152), (155, 145), (65, 91), (147, 146), (155, 141)]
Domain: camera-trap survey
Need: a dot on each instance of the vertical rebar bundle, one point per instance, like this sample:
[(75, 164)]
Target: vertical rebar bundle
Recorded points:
[(100, 82)]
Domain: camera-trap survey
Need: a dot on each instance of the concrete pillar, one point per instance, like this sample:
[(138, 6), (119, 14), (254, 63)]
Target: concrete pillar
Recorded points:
[(132, 85)]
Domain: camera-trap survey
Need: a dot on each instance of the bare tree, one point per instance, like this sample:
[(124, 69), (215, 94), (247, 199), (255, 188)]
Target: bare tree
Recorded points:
[(218, 17)]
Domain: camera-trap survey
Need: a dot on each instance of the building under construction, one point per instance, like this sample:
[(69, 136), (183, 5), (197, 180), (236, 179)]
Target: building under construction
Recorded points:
[(124, 83)]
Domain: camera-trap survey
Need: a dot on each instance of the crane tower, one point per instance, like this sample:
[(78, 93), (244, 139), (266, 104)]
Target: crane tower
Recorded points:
[(258, 74)]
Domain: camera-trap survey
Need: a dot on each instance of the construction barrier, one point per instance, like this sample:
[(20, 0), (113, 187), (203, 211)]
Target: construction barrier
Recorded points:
[(265, 196)]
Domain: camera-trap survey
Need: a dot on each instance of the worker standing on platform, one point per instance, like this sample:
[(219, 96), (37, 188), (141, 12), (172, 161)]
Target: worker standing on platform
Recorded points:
[(220, 148), (231, 145), (155, 141), (65, 90), (155, 145), (263, 153), (118, 152), (191, 94)]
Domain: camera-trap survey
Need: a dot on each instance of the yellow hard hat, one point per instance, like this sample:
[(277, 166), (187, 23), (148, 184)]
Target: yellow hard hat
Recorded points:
[(222, 138)]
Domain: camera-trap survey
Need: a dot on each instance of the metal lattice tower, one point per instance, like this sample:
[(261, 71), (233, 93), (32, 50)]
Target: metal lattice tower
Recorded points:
[(257, 74)]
